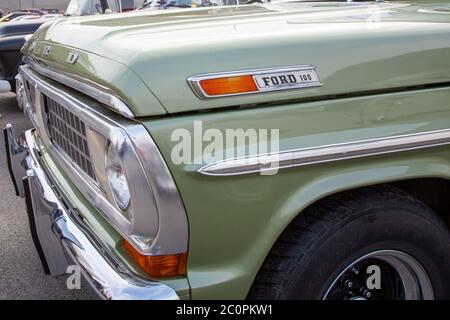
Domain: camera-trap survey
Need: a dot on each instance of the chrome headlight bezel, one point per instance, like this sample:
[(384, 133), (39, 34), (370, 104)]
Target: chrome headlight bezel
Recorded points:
[(20, 92), (155, 222)]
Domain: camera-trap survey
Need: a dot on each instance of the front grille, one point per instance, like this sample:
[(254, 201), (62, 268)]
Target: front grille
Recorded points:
[(68, 133)]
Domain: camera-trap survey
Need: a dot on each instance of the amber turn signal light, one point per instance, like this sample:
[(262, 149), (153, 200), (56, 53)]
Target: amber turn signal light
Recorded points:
[(158, 266), (228, 85)]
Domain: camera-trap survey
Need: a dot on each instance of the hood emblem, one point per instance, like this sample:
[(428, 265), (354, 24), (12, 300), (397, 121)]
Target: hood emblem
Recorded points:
[(46, 50), (224, 84), (72, 57)]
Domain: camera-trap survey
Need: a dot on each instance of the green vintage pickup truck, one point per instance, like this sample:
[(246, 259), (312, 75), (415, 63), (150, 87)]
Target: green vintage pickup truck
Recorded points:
[(287, 150)]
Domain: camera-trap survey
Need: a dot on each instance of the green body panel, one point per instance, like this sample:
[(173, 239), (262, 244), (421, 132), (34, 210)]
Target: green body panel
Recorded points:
[(234, 221), (164, 49), (145, 58), (110, 237), (112, 76)]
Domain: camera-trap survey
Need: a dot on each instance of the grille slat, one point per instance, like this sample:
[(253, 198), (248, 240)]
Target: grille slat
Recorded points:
[(68, 133)]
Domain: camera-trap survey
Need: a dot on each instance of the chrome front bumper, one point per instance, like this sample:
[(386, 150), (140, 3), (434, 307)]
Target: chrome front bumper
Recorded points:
[(61, 236)]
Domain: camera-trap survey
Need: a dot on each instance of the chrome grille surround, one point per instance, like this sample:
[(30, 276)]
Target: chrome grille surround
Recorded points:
[(157, 223)]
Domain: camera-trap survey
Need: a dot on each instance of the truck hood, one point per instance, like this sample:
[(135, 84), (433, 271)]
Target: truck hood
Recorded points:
[(356, 47)]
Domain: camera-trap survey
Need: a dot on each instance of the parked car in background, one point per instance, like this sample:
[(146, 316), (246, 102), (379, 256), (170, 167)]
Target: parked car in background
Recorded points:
[(14, 15), (292, 150)]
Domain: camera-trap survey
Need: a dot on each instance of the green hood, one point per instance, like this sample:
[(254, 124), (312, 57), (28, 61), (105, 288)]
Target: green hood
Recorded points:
[(146, 57)]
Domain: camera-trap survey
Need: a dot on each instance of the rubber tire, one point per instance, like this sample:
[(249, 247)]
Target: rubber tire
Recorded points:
[(328, 236)]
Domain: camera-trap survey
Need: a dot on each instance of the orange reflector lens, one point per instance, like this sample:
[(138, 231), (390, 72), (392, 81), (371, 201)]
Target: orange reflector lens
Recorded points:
[(228, 85), (158, 266)]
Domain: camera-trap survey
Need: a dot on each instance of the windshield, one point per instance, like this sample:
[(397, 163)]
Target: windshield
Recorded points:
[(162, 4), (90, 7)]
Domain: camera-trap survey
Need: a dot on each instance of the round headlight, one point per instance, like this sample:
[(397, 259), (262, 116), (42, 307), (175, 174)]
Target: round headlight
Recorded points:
[(117, 179)]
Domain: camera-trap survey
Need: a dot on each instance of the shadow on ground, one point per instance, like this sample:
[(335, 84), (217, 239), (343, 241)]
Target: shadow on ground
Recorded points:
[(21, 273)]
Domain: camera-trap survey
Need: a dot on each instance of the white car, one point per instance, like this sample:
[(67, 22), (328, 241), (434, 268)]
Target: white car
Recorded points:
[(51, 16)]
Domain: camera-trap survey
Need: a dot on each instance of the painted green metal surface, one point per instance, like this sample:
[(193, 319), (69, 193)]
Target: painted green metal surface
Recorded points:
[(355, 46), (110, 237)]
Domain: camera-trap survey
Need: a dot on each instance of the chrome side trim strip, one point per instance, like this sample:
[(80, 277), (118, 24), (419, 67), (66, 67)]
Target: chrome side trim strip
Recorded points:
[(328, 153), (194, 81), (92, 90), (173, 230)]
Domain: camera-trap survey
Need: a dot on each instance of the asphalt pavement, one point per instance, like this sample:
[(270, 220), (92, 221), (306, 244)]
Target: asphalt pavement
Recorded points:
[(21, 273)]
